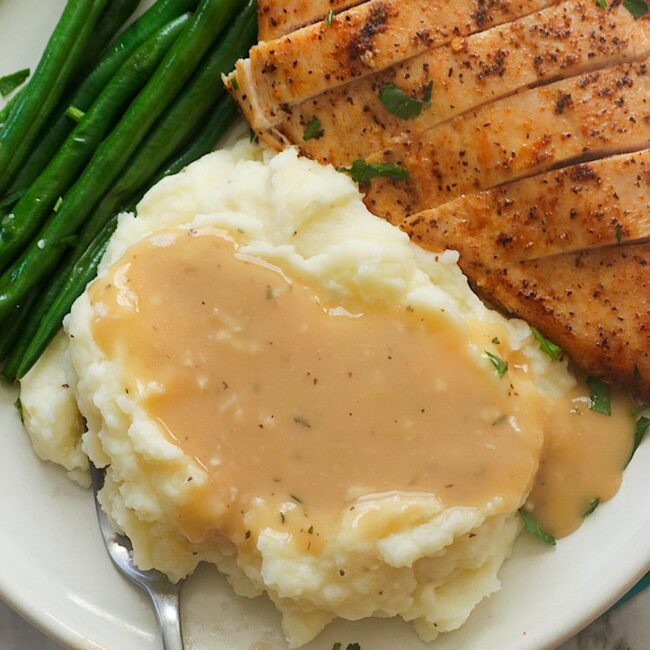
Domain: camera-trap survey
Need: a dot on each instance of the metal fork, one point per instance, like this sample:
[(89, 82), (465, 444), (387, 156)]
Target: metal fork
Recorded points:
[(166, 597)]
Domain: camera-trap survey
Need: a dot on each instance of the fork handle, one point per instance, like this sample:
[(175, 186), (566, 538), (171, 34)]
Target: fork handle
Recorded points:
[(168, 610)]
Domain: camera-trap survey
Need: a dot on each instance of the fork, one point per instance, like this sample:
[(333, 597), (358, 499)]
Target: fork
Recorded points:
[(165, 596)]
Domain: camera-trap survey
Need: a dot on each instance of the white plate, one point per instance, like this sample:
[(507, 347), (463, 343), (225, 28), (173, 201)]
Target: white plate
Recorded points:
[(54, 571)]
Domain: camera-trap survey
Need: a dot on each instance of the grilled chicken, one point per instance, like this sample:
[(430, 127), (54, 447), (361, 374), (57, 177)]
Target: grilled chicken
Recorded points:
[(364, 39), (588, 117), (562, 41), (595, 205), (279, 17), (594, 303)]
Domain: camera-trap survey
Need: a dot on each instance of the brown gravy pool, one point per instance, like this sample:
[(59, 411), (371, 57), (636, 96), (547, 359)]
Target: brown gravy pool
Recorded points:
[(281, 397)]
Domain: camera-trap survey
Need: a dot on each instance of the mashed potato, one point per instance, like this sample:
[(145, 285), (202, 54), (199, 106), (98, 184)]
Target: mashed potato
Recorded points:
[(432, 564)]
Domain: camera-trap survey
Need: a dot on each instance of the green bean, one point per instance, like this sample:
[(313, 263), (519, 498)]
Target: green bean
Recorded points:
[(14, 329), (52, 75), (55, 133), (27, 216), (204, 141), (75, 281), (110, 159), (111, 21), (173, 129)]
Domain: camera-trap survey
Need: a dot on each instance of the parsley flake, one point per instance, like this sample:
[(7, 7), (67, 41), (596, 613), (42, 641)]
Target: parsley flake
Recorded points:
[(548, 347), (499, 364), (330, 17), (426, 96), (602, 3), (10, 82), (642, 427), (600, 396), (58, 204), (637, 8), (234, 83), (533, 527), (313, 130), (398, 102), (74, 113), (618, 231), (363, 172)]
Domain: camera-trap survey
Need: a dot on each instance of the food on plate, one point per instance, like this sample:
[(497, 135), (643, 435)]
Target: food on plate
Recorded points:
[(512, 98), (282, 364), (282, 384)]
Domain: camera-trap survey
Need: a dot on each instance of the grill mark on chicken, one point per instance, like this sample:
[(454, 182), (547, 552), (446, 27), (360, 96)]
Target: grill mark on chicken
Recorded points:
[(517, 137), (362, 40), (570, 39), (279, 17)]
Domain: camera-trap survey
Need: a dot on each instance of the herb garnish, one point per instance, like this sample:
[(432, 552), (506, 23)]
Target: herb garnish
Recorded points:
[(58, 204), (642, 427), (499, 364), (637, 8), (548, 347), (353, 646), (330, 16), (602, 3), (398, 102), (533, 527), (593, 504), (600, 396), (74, 113), (234, 83), (363, 172), (618, 231), (10, 82), (337, 646), (313, 130)]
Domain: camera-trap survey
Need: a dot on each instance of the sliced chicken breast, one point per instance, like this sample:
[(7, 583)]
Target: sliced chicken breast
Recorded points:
[(595, 304), (595, 205), (359, 41), (582, 118), (279, 17), (563, 41)]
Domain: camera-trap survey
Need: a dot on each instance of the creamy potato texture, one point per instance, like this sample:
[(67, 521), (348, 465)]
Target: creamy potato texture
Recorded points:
[(366, 543)]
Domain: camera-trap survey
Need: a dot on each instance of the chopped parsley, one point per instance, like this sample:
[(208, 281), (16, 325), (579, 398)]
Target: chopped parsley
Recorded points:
[(363, 172), (234, 83), (10, 82), (74, 113), (600, 396), (602, 3), (310, 531), (499, 364), (593, 504), (313, 130), (398, 102), (330, 17), (548, 347), (533, 527), (58, 204), (637, 8), (642, 427)]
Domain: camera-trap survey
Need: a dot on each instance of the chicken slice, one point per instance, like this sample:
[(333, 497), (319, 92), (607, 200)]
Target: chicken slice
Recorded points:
[(587, 206), (578, 119), (563, 41), (279, 17), (360, 41), (595, 304)]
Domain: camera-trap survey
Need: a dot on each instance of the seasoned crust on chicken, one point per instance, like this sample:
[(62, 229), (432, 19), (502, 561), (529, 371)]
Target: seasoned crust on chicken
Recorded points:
[(586, 117), (561, 41), (362, 40)]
